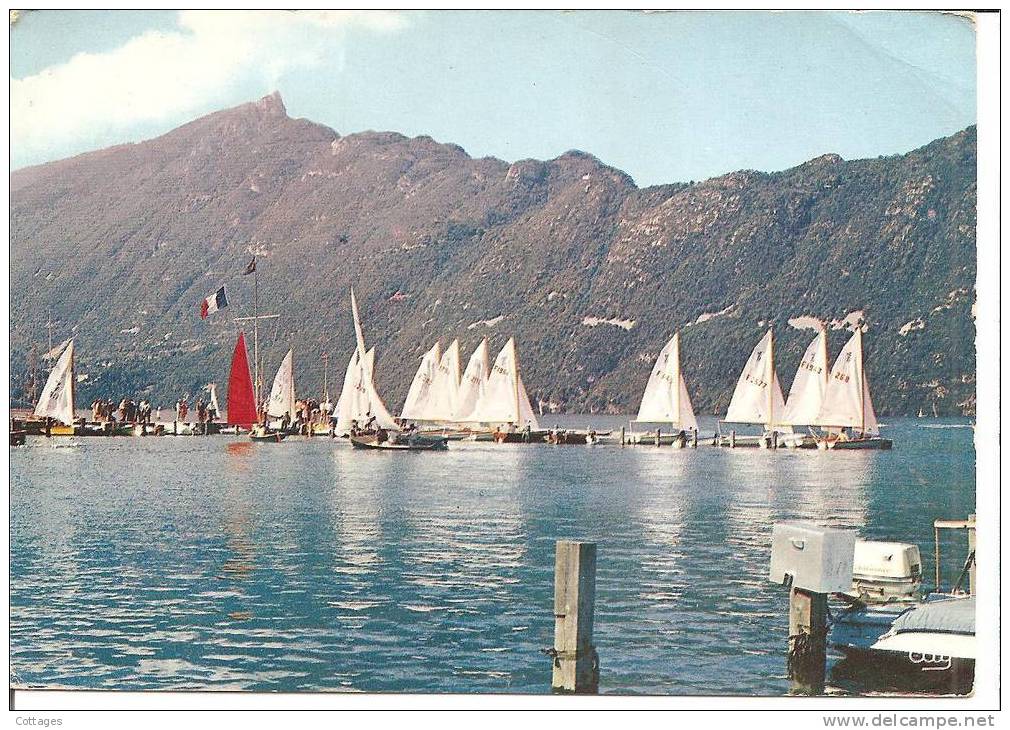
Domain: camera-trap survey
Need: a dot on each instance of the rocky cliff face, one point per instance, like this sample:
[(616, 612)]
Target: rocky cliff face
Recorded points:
[(590, 273)]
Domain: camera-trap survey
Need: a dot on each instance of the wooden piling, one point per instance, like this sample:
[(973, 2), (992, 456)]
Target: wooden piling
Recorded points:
[(576, 664), (775, 439), (808, 634), (694, 438), (622, 437), (732, 439), (658, 431)]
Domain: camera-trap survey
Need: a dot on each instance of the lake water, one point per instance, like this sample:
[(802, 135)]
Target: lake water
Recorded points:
[(218, 563)]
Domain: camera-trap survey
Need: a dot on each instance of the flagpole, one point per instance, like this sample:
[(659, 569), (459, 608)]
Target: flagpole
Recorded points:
[(256, 337)]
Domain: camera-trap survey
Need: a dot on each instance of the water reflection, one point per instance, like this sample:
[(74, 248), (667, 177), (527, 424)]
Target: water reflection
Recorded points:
[(217, 563)]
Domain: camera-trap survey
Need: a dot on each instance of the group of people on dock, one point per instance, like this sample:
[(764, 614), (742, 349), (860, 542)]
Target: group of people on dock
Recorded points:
[(128, 411)]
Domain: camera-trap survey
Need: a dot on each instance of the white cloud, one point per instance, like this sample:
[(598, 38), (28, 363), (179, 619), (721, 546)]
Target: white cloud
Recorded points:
[(160, 77)]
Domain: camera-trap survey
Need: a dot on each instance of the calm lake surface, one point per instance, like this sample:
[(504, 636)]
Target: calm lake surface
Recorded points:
[(218, 563)]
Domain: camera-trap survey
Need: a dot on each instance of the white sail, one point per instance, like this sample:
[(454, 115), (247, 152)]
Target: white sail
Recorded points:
[(685, 419), (418, 404), (527, 417), (665, 399), (758, 395), (359, 400), (346, 403), (57, 399), (445, 390), (870, 426), (806, 396), (847, 401), (473, 383), (282, 394), (366, 400), (213, 399), (504, 399)]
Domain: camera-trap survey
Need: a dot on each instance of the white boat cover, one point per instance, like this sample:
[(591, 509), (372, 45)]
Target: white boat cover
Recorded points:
[(954, 616)]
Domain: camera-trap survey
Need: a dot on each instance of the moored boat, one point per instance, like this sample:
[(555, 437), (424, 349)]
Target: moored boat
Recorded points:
[(401, 443), (847, 415), (666, 405), (262, 434), (757, 399), (241, 400), (806, 394), (504, 404), (56, 403)]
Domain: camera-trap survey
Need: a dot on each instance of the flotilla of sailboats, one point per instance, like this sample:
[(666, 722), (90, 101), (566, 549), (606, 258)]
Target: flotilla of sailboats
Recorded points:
[(826, 408), (834, 406)]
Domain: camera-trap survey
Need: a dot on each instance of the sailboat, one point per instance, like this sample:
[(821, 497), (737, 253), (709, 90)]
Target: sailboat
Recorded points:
[(504, 402), (665, 402), (359, 402), (281, 403), (806, 395), (847, 404), (757, 398), (445, 393), (417, 406), (241, 399), (56, 404), (434, 391)]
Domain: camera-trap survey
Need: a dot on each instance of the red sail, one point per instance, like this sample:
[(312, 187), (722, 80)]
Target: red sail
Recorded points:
[(241, 402)]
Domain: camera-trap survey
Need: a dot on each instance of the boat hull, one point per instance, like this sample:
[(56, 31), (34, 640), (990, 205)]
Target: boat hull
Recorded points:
[(417, 443), (874, 442), (519, 437), (271, 437), (576, 438)]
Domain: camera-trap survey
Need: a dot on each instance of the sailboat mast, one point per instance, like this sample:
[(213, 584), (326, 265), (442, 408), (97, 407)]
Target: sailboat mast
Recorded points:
[(515, 380), (326, 371), (676, 378), (771, 376), (862, 376), (256, 339)]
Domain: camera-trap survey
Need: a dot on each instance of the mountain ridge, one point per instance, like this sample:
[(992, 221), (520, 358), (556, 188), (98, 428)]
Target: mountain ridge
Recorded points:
[(438, 242)]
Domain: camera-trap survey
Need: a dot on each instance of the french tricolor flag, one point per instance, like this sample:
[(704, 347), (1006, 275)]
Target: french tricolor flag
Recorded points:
[(217, 300)]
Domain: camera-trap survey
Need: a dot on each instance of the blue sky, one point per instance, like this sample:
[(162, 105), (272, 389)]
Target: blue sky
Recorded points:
[(666, 97)]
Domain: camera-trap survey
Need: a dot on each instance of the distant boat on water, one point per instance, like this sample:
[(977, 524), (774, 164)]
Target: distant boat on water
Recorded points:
[(848, 405), (757, 398), (57, 399), (359, 401), (504, 403), (665, 401), (806, 395), (241, 399)]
